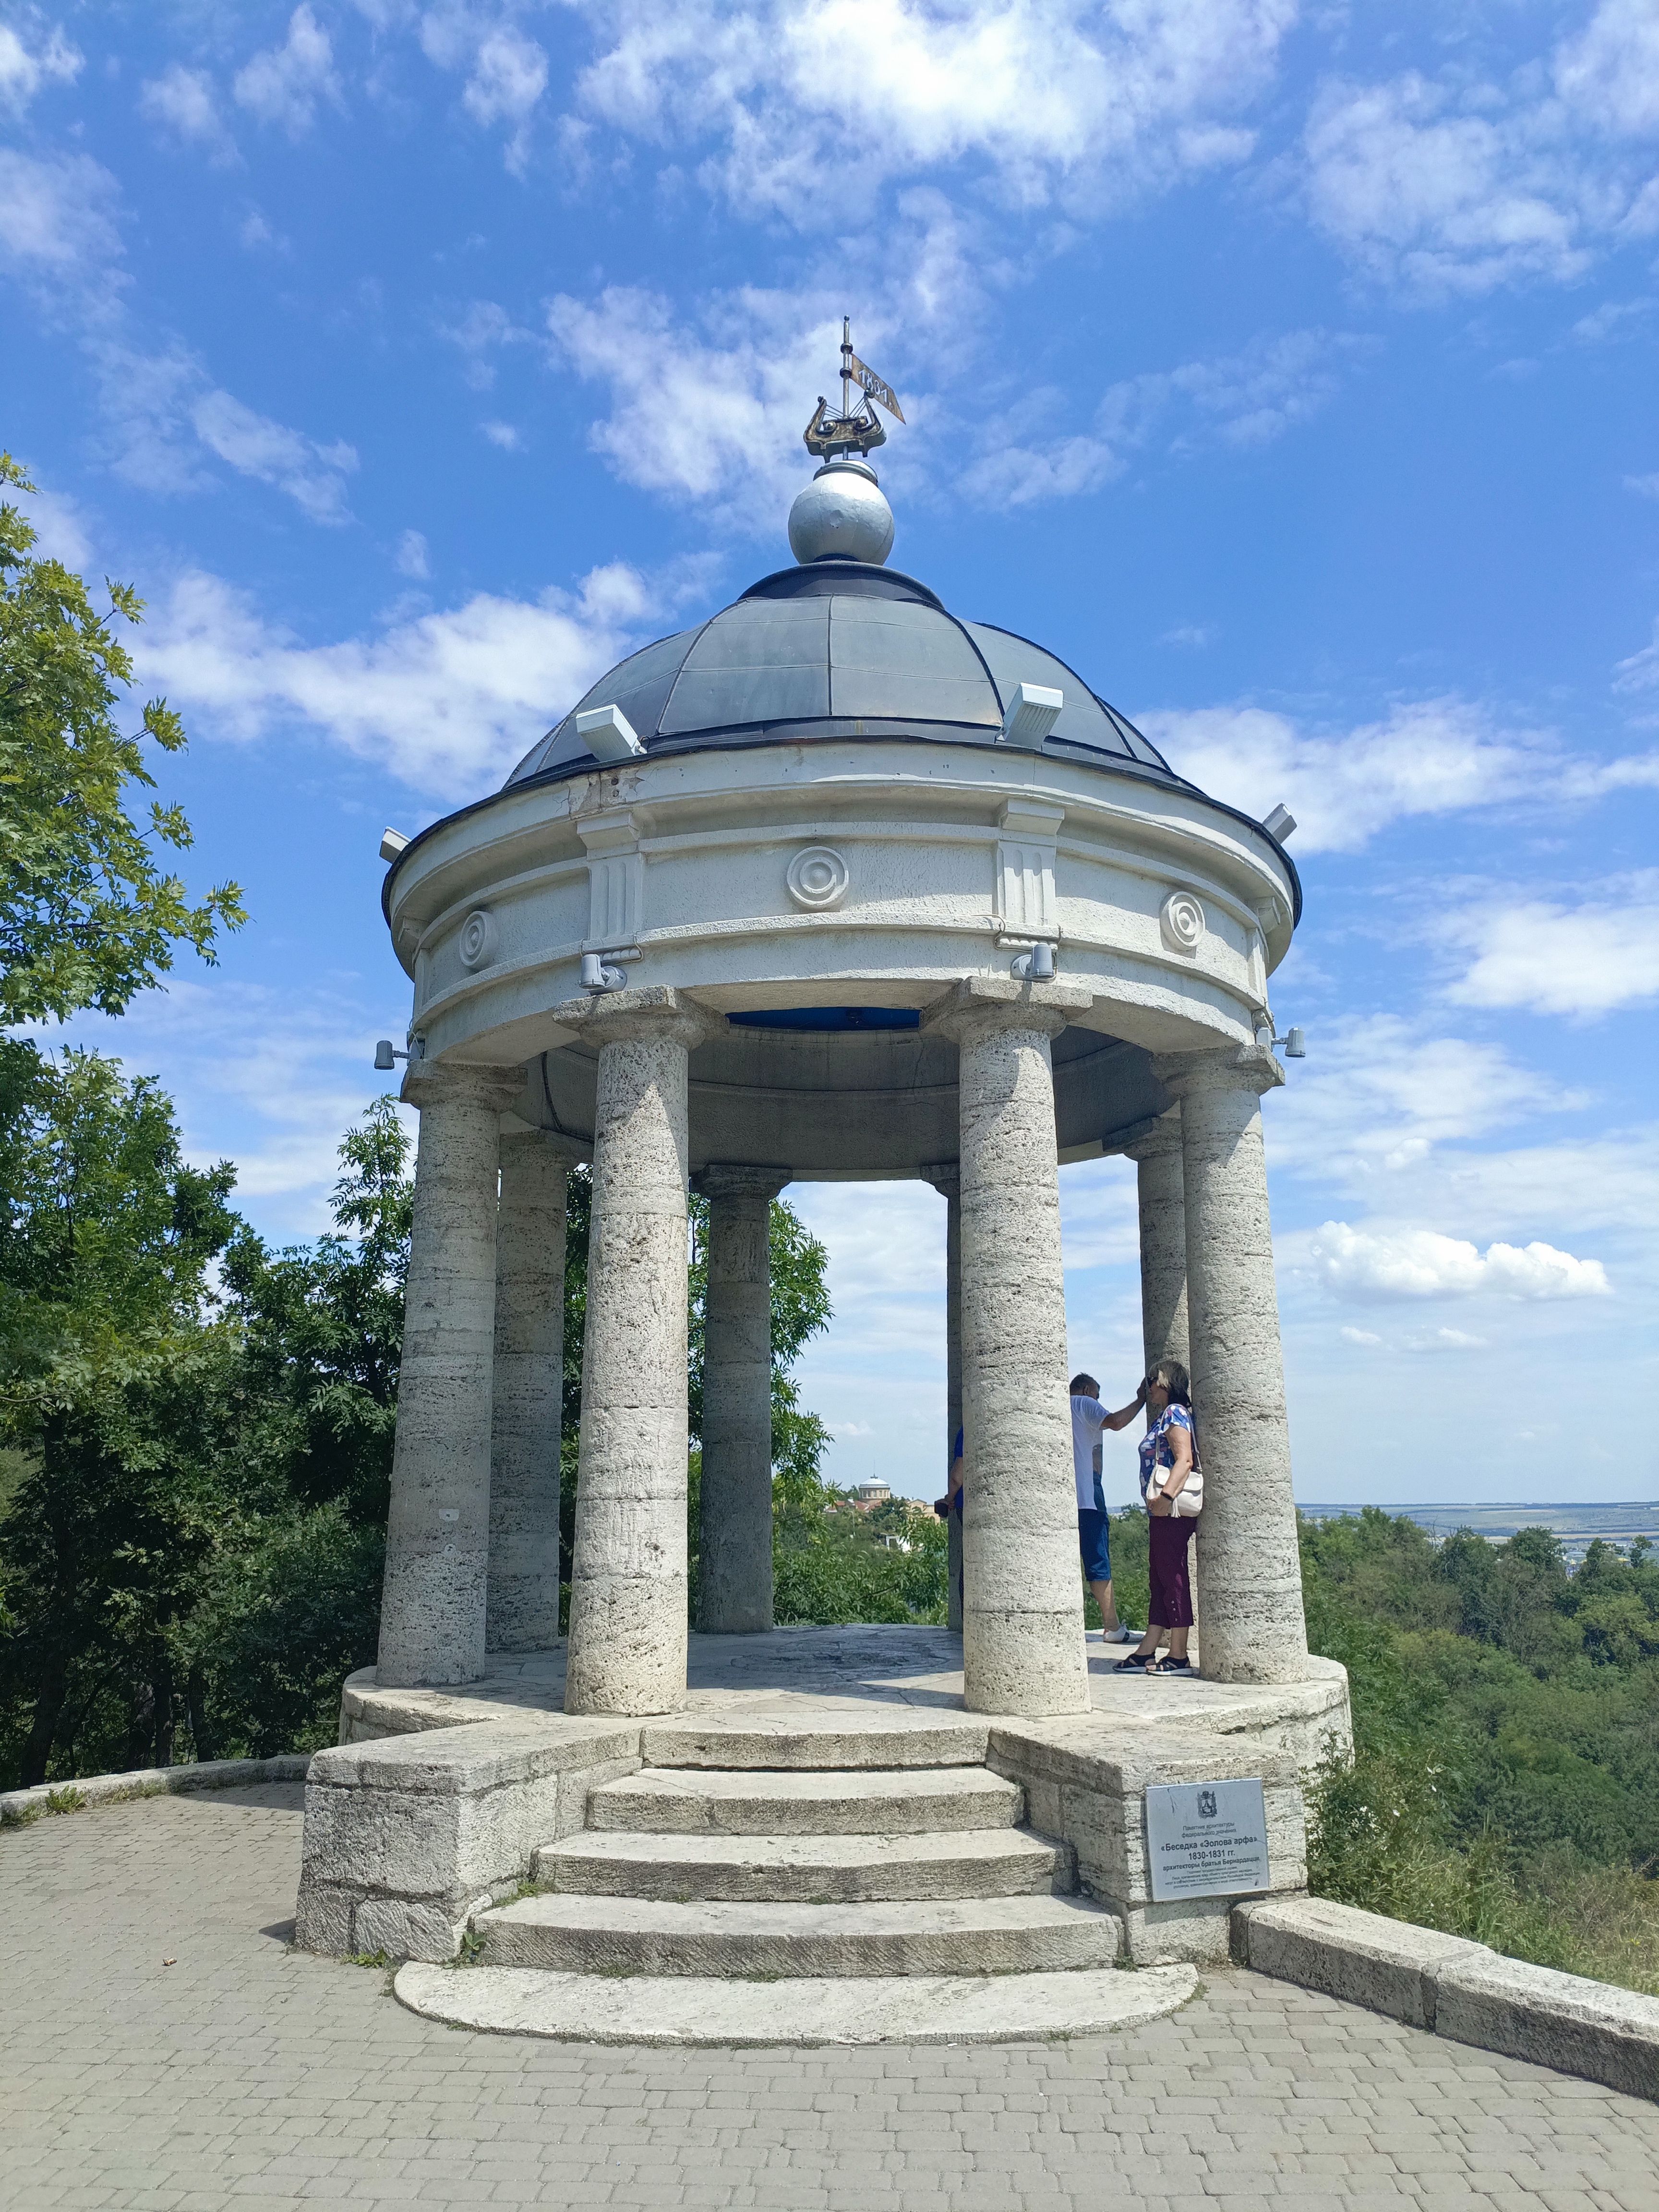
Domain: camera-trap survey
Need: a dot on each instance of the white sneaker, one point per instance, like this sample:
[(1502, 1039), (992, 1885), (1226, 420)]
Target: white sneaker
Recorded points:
[(1121, 1634)]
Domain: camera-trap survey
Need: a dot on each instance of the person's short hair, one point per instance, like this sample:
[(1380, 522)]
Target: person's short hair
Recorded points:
[(1084, 1386), (1176, 1380)]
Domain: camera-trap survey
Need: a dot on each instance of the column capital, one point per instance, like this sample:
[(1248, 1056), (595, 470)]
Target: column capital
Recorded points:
[(945, 1175), (726, 1179), (570, 1151), (1235, 1067), (1161, 1141), (653, 1010), (492, 1089), (999, 1002)]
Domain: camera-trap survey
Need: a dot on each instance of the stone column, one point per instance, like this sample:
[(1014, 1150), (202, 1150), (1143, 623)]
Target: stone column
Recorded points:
[(947, 1182), (1023, 1613), (734, 1547), (523, 1607), (1253, 1626), (1163, 1242), (437, 1538), (627, 1592)]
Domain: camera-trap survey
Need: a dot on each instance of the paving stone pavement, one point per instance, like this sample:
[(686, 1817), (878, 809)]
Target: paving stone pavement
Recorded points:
[(245, 2075)]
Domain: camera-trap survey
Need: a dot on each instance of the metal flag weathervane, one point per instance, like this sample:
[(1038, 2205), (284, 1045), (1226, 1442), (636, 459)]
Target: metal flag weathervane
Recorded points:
[(855, 430)]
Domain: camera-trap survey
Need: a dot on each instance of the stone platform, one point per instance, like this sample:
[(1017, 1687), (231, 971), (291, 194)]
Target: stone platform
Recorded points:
[(824, 1806)]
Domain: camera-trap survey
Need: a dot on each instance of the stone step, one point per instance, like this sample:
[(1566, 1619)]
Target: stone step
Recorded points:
[(693, 2012), (694, 1800), (649, 1935), (897, 1740), (839, 1869)]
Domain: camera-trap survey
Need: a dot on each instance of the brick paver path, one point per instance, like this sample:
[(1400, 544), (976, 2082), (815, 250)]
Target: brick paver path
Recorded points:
[(245, 2075)]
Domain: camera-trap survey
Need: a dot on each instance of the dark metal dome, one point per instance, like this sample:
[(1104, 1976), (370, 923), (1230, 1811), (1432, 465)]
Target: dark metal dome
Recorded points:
[(837, 649)]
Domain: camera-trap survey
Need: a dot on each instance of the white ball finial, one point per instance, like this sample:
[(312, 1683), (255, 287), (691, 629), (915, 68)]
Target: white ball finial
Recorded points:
[(842, 512)]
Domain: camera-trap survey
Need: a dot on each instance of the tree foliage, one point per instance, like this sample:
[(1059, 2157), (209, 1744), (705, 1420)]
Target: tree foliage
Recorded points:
[(89, 914)]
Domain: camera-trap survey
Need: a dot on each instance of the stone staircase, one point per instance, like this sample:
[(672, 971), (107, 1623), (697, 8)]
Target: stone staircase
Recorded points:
[(879, 1853)]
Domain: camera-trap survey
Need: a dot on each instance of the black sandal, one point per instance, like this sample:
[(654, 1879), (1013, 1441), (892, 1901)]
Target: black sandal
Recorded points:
[(1138, 1663)]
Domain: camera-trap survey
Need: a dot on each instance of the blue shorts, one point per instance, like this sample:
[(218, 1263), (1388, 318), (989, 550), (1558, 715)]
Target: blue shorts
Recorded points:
[(1094, 1541)]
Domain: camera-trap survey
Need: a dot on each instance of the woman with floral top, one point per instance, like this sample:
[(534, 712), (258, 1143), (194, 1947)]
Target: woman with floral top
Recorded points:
[(1169, 1459)]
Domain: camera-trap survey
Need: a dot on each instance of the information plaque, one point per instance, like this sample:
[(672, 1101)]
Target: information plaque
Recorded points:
[(1206, 1838)]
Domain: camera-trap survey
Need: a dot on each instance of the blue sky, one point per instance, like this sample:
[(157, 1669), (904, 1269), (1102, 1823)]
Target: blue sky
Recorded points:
[(1289, 369)]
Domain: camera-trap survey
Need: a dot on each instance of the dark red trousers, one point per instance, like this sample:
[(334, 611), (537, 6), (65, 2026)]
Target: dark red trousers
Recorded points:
[(1172, 1587)]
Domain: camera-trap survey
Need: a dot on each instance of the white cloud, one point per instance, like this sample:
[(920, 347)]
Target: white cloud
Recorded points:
[(447, 700), (717, 423), (1455, 186), (1610, 71), (57, 217), (1360, 1336), (313, 476), (59, 533), (284, 84), (813, 104), (23, 70), (1583, 959), (1246, 398), (1401, 1263), (1644, 488), (183, 101), (502, 435), (410, 557), (1376, 1097), (1433, 756), (482, 330)]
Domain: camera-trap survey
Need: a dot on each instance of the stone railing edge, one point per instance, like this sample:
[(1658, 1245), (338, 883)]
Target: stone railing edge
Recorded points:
[(18, 1807), (1455, 1988)]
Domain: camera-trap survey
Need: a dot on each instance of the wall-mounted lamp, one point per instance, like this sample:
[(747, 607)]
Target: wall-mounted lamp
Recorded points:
[(386, 1055), (609, 734), (1036, 966), (1295, 1043), (596, 976), (1280, 823), (1032, 713), (392, 842)]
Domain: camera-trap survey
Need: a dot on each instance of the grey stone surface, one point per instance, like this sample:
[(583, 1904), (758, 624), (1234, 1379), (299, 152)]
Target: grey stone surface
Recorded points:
[(432, 1614), (1023, 1611), (734, 1560), (802, 1870), (522, 1608), (18, 1805), (1386, 1965), (1253, 1626), (947, 1179), (628, 1592), (403, 1835), (250, 2072), (647, 1936), (671, 1801), (872, 1739), (1458, 1988), (683, 2010), (1163, 1210)]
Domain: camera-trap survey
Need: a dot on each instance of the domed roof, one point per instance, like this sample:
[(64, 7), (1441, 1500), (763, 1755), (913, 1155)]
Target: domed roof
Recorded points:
[(839, 648)]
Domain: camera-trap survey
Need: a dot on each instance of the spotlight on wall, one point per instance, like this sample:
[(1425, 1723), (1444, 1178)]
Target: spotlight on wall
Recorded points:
[(1032, 713), (609, 734), (1280, 823), (386, 1055), (1295, 1043), (1036, 966), (596, 976), (392, 842)]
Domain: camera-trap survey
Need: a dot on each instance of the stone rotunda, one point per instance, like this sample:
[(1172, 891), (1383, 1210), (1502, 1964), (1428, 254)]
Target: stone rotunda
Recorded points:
[(835, 885)]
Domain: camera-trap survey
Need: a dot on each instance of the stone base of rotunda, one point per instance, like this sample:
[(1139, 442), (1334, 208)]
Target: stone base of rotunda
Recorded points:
[(436, 1803)]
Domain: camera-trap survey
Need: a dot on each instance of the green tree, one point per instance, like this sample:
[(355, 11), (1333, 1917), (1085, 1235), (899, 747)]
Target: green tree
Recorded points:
[(88, 913)]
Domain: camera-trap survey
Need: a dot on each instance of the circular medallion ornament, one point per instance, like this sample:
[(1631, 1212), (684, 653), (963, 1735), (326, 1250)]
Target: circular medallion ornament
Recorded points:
[(817, 877), (478, 940), (1180, 918)]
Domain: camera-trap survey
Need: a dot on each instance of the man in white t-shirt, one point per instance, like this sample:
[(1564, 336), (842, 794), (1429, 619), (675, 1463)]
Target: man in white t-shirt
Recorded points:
[(1089, 1417)]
